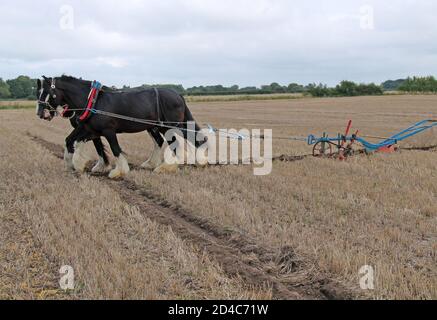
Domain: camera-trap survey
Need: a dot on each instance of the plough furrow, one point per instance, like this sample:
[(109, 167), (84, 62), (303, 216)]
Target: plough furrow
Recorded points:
[(288, 275)]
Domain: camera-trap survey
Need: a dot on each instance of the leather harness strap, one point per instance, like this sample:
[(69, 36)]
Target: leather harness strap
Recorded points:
[(158, 105), (96, 87)]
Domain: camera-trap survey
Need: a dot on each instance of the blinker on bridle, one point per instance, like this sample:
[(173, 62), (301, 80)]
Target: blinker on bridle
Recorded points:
[(46, 103)]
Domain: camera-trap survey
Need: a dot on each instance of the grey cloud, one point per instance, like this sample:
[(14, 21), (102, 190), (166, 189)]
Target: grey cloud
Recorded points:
[(197, 42)]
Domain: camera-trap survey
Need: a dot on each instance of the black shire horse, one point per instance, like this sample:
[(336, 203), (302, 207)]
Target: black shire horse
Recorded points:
[(160, 105), (103, 165)]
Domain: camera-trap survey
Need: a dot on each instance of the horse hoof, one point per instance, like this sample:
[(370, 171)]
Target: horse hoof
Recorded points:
[(69, 165), (79, 159), (166, 168), (68, 158), (101, 167), (201, 165), (79, 164), (115, 174), (148, 166)]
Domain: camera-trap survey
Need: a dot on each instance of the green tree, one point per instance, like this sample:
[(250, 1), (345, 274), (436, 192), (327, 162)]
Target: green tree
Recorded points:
[(175, 87), (369, 90), (4, 90), (346, 89), (319, 90), (22, 87), (295, 88), (419, 84), (277, 88), (235, 88), (249, 90), (392, 85)]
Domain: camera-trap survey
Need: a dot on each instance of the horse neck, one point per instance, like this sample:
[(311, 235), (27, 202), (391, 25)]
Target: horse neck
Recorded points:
[(76, 94)]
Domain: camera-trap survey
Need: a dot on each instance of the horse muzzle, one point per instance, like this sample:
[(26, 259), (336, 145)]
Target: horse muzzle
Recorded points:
[(48, 115), (44, 113)]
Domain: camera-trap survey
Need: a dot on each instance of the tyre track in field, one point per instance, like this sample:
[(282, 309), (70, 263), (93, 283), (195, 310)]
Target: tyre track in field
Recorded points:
[(289, 276)]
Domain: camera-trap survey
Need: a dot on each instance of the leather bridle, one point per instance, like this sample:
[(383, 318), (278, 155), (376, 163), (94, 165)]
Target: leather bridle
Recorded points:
[(46, 102)]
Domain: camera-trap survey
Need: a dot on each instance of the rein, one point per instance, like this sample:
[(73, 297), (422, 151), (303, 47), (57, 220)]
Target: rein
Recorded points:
[(90, 110), (47, 104)]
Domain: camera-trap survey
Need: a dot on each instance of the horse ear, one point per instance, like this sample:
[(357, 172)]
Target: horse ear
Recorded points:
[(45, 78)]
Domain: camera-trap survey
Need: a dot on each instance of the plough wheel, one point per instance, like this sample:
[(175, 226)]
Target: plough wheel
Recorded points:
[(323, 150)]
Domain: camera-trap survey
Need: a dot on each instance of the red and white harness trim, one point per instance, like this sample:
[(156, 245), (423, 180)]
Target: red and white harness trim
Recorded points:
[(92, 99), (66, 109), (96, 87)]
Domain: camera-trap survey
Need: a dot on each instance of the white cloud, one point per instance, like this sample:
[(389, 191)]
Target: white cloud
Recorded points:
[(210, 41)]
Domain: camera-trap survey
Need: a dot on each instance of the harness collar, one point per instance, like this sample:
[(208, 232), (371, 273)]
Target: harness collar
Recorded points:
[(96, 87)]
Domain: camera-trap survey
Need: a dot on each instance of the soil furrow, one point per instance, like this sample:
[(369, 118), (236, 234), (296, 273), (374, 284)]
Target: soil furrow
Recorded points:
[(288, 275)]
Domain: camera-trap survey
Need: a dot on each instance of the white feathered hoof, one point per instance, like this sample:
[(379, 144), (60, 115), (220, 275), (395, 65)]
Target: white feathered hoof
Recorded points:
[(201, 157), (68, 158), (79, 159), (79, 163), (149, 165), (202, 162), (156, 159), (121, 168), (167, 168), (101, 167)]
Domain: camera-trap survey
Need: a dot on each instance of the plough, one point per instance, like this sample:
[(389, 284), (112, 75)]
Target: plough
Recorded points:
[(342, 145)]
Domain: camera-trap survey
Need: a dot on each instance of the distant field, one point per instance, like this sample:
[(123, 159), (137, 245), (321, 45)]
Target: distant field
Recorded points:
[(26, 104), (245, 97), (16, 104)]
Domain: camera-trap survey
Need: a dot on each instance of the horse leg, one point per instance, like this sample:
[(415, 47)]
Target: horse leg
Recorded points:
[(121, 164), (70, 147), (69, 150), (102, 166), (200, 141), (79, 158), (166, 165), (156, 158), (201, 159)]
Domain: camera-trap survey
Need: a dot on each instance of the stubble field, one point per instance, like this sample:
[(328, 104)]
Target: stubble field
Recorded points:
[(302, 232)]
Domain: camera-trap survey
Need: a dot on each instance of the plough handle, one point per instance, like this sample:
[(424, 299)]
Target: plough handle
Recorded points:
[(348, 130)]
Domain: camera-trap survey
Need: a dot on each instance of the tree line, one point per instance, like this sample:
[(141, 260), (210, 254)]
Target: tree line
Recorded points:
[(232, 90), (345, 89), (419, 84), (24, 87)]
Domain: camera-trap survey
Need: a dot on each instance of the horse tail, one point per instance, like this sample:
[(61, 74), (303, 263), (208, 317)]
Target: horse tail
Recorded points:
[(188, 115), (189, 118)]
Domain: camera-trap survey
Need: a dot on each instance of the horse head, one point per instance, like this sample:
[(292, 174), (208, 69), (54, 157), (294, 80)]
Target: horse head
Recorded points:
[(50, 97)]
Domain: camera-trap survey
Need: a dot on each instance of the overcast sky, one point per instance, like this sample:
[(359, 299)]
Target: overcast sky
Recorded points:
[(202, 42)]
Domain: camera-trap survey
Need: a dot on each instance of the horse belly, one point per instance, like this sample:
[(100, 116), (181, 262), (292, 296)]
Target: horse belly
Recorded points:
[(132, 127)]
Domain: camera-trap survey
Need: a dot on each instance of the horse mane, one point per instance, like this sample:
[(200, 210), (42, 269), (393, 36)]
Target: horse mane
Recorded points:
[(104, 88), (68, 78), (71, 78)]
